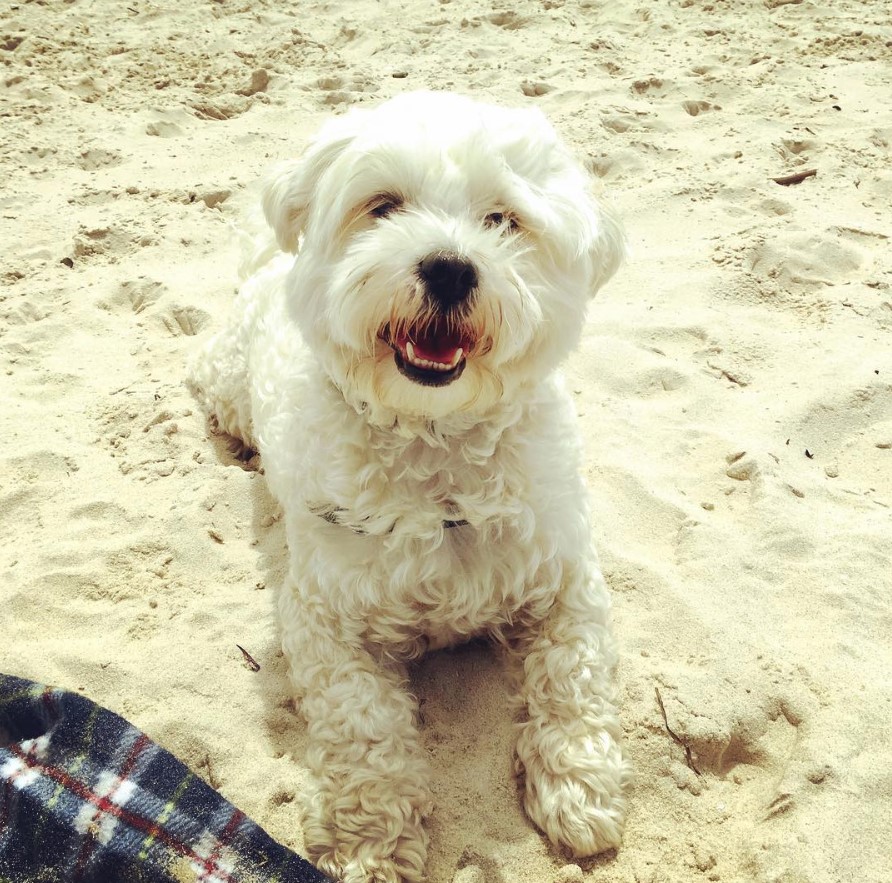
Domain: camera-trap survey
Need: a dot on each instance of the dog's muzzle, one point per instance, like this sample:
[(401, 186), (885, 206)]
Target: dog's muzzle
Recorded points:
[(434, 351)]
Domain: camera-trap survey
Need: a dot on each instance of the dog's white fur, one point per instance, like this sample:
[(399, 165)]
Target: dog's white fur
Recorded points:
[(302, 374)]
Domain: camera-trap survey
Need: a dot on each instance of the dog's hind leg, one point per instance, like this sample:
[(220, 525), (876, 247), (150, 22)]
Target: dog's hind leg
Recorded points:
[(220, 375), (569, 746), (218, 378)]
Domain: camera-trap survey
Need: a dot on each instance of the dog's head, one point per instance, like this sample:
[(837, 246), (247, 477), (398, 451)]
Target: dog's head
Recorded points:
[(446, 251)]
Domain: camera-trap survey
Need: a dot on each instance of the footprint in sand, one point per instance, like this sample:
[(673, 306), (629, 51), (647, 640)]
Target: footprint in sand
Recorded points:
[(809, 259), (184, 321), (507, 19), (152, 298), (169, 123), (652, 86), (534, 89), (622, 120), (617, 165), (107, 243), (98, 158), (748, 742), (695, 108), (139, 294)]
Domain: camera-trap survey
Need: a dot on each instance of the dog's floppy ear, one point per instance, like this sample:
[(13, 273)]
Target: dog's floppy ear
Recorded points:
[(288, 192), (583, 228)]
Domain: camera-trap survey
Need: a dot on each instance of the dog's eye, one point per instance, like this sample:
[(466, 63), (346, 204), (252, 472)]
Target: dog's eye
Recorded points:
[(384, 206), (501, 219)]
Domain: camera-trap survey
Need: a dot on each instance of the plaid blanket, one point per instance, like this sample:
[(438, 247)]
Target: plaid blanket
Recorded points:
[(86, 797)]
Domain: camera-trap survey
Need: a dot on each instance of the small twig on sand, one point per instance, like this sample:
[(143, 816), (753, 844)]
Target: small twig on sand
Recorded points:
[(687, 751), (796, 177), (252, 663), (213, 781)]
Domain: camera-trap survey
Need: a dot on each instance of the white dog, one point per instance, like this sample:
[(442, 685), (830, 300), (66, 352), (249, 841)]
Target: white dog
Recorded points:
[(394, 361)]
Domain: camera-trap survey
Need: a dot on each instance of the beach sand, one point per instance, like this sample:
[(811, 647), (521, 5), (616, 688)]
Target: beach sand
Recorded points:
[(734, 386)]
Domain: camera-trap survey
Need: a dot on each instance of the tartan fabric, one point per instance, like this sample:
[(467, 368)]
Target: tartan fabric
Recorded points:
[(85, 797)]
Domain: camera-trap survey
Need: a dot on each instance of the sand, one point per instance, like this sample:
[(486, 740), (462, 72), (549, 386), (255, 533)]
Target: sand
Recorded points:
[(734, 387)]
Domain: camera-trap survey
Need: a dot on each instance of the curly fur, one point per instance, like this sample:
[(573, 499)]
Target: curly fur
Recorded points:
[(305, 372)]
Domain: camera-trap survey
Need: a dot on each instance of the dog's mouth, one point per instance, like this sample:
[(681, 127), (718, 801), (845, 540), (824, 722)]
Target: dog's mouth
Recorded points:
[(433, 354)]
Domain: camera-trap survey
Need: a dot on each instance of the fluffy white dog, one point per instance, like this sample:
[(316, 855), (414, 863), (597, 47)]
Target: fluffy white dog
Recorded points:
[(394, 361)]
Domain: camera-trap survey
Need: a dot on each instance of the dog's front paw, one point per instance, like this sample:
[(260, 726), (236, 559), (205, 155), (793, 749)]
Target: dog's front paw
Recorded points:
[(366, 862), (575, 789), (380, 870), (374, 837)]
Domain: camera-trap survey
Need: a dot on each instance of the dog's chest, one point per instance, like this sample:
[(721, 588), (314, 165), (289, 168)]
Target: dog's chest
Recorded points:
[(426, 544), (462, 547), (443, 486)]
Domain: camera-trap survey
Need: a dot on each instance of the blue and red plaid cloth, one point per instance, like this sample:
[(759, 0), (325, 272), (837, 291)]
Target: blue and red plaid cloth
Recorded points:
[(85, 797)]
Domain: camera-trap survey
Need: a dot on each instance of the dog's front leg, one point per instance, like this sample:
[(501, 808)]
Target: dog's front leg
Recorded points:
[(363, 819), (569, 745)]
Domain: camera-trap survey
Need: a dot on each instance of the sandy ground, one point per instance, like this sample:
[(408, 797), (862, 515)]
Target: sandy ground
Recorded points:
[(734, 384)]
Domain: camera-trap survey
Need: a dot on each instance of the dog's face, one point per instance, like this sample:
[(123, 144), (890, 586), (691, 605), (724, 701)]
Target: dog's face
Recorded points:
[(446, 252)]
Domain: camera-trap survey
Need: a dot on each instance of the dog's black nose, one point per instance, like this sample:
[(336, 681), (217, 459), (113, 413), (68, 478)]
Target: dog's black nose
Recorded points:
[(449, 278)]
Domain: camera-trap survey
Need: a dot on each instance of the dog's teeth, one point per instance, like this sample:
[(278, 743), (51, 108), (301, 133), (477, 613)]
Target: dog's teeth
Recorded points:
[(427, 364)]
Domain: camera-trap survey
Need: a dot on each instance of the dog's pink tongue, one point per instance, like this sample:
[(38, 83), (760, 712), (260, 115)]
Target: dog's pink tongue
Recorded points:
[(434, 344), (441, 348)]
